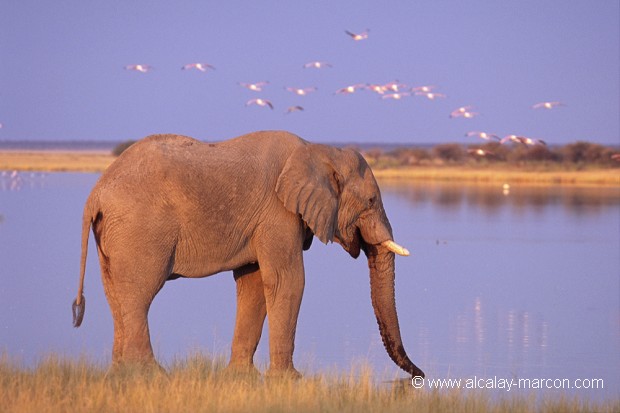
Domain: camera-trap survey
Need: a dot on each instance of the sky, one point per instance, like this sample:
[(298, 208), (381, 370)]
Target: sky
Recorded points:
[(63, 76)]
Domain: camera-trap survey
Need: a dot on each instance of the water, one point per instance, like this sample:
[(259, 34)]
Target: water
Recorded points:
[(518, 285)]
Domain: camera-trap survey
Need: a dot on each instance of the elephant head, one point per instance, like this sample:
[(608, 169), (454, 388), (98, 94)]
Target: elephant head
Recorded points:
[(337, 196)]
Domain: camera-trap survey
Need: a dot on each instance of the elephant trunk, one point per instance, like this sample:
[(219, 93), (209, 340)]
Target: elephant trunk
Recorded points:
[(381, 266)]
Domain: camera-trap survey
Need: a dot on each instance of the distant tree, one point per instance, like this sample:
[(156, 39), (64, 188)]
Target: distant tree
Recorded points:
[(372, 156), (499, 151), (539, 153), (586, 152), (409, 156), (121, 147), (449, 152)]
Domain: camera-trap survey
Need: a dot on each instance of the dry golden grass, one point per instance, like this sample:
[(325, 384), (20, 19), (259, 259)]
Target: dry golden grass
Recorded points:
[(55, 161), (198, 384), (59, 161), (501, 175)]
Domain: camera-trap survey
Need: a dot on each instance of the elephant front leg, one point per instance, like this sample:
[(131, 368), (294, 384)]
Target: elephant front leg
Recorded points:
[(283, 286), (251, 312)]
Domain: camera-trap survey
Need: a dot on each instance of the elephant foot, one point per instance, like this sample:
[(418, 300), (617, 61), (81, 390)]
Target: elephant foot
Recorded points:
[(241, 370), (289, 373), (132, 370)]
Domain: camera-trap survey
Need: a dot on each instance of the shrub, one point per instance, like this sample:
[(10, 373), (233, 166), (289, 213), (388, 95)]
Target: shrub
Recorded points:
[(586, 152), (409, 156), (539, 153), (449, 152)]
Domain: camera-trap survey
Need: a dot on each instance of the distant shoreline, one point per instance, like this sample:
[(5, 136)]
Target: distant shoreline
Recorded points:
[(96, 161), (56, 160)]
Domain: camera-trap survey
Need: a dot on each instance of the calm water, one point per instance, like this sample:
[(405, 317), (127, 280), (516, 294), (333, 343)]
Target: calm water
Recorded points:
[(524, 284)]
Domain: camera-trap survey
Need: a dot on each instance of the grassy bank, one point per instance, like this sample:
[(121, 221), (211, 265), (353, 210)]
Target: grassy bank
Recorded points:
[(500, 175), (54, 161), (199, 385)]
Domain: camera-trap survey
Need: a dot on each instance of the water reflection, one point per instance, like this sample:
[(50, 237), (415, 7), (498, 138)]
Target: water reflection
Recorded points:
[(450, 197), (524, 284), (16, 180), (511, 338)]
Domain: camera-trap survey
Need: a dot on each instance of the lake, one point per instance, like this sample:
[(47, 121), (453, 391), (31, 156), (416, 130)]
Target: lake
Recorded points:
[(522, 283)]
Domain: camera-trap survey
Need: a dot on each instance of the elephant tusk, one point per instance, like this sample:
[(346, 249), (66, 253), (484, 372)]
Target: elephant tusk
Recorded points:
[(395, 248)]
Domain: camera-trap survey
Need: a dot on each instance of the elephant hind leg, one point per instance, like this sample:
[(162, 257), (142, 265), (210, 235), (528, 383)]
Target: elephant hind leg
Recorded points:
[(251, 313), (130, 291)]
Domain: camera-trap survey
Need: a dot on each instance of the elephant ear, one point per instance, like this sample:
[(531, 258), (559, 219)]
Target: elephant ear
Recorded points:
[(310, 185)]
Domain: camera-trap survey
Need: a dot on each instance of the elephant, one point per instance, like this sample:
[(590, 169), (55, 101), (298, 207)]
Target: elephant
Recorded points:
[(172, 206)]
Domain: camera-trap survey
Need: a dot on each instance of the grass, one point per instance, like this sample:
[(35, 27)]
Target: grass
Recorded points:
[(500, 175), (55, 161), (537, 174), (198, 384)]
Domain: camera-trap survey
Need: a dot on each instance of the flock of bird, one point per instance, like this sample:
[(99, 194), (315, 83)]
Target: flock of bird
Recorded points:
[(16, 180), (394, 90)]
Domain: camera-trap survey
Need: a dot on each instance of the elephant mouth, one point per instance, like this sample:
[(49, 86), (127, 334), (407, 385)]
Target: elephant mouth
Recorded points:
[(357, 244), (354, 245)]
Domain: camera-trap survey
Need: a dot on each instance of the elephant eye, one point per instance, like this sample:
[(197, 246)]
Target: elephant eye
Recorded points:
[(372, 201)]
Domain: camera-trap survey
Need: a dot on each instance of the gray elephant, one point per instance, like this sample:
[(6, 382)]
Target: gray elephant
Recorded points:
[(171, 206)]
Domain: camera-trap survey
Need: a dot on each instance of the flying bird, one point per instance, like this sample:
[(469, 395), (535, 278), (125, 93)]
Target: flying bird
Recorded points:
[(358, 36), (198, 66), (525, 141), (395, 96), (430, 95), (259, 102), (292, 109), (547, 105), (394, 86), (139, 68), (423, 89), (301, 91), (256, 87), (512, 138), (317, 65), (463, 112), (483, 135), (350, 89), (380, 89), (480, 152)]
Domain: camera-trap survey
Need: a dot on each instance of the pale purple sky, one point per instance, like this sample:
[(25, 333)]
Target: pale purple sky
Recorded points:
[(62, 73)]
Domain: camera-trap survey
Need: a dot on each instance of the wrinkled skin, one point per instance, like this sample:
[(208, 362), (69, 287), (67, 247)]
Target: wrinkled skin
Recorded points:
[(171, 206)]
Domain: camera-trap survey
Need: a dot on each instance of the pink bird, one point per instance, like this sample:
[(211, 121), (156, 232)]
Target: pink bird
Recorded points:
[(395, 96), (394, 86), (483, 135), (547, 105), (139, 68), (358, 36), (256, 87), (431, 95), (523, 140), (463, 112), (316, 65), (292, 109), (380, 89), (350, 89), (198, 66), (301, 91), (259, 102), (480, 152), (423, 89)]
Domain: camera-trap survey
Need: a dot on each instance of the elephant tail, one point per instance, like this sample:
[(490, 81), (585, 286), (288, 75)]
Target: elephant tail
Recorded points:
[(79, 304)]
